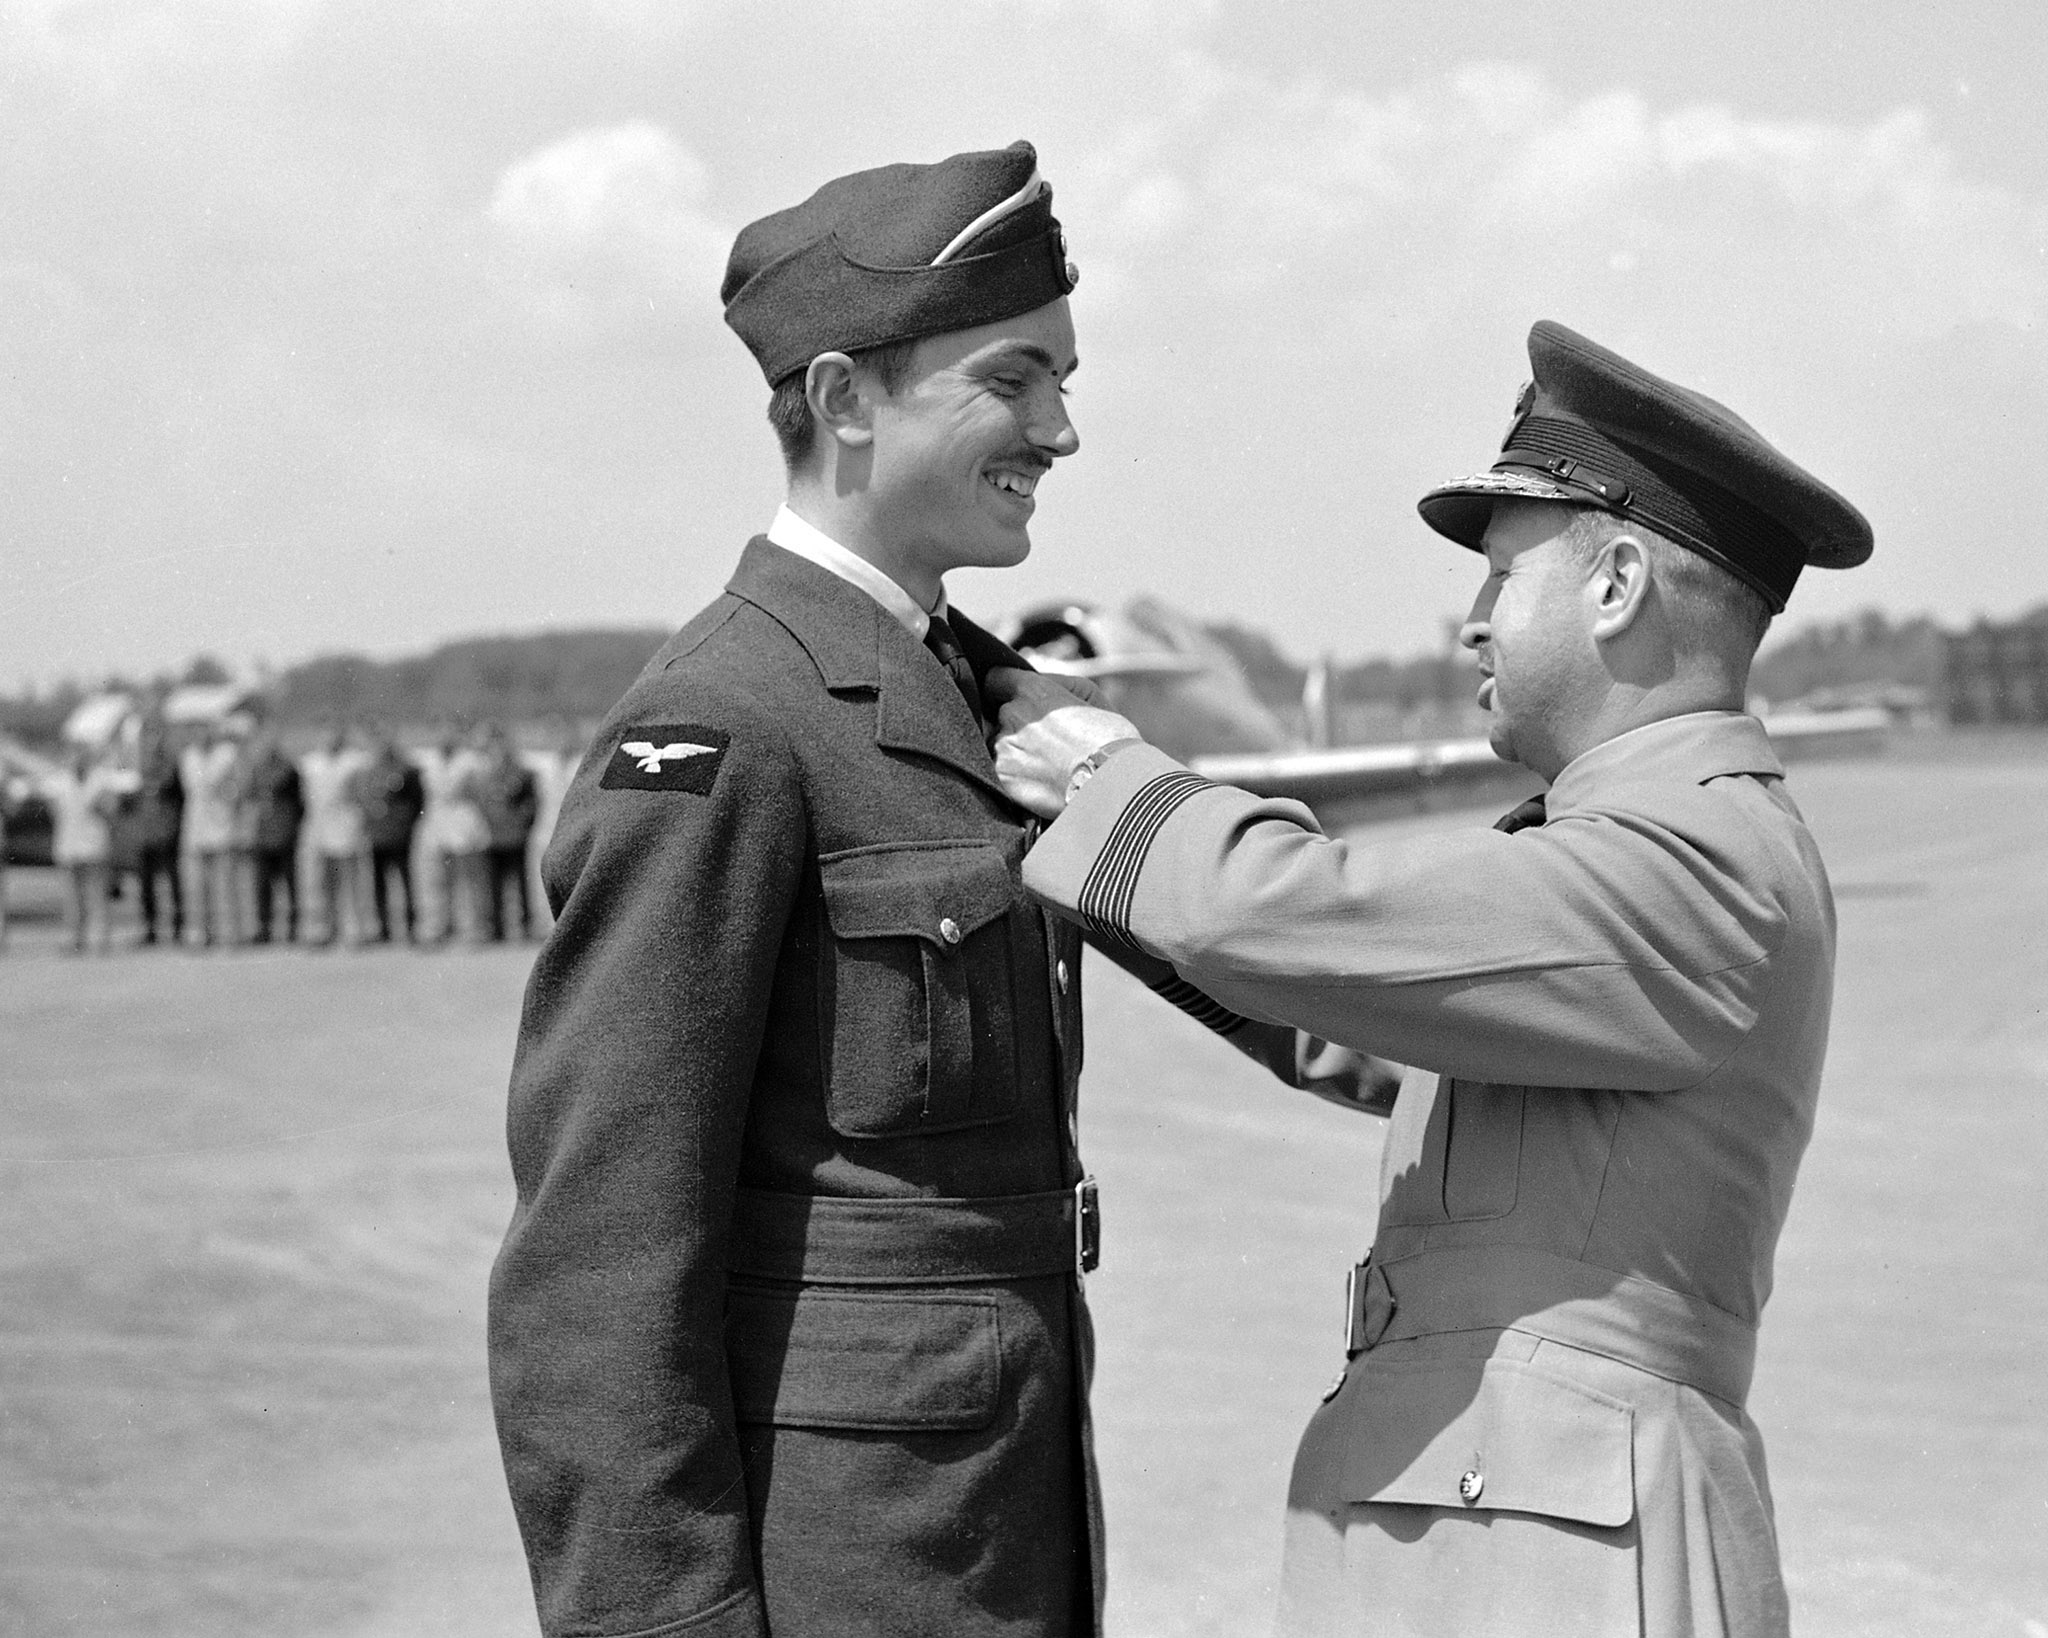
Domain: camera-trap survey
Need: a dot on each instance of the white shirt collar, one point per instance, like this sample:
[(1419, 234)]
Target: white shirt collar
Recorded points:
[(811, 543)]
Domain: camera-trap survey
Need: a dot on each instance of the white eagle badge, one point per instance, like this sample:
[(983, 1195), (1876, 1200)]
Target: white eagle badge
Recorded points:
[(651, 756), (667, 756)]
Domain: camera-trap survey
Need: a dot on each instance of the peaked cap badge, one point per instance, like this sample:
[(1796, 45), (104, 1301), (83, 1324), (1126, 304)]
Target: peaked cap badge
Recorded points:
[(666, 756), (1525, 401)]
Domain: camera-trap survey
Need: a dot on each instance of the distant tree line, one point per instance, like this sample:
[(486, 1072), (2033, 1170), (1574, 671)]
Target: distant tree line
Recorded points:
[(1869, 647), (575, 674), (579, 674)]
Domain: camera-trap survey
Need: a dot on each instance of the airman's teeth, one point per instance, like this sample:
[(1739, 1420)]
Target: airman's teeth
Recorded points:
[(1016, 483)]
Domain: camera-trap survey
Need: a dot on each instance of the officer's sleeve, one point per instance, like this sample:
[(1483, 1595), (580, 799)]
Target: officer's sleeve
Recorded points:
[(1347, 1077), (637, 1047), (1601, 951)]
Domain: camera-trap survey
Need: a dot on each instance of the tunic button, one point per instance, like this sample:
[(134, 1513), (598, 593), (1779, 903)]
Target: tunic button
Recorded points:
[(1470, 1486), (949, 930), (1060, 973)]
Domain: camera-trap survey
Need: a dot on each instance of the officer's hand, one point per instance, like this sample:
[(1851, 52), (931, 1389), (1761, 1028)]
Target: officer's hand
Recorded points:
[(1345, 1076), (1048, 729)]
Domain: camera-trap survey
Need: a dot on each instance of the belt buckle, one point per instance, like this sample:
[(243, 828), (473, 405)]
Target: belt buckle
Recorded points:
[(1354, 1307), (1087, 1227)]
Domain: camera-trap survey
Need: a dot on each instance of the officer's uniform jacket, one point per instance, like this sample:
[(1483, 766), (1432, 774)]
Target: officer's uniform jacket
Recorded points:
[(1541, 1426), (786, 1334)]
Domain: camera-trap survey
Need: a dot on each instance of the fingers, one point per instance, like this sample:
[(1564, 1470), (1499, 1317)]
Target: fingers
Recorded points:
[(1001, 682), (1006, 682)]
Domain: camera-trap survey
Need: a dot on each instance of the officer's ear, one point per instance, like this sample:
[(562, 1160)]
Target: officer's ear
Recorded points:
[(835, 393), (1619, 585)]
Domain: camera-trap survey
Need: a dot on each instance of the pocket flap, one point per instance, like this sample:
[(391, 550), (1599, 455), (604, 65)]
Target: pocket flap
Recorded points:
[(863, 1359), (1488, 1435), (916, 891)]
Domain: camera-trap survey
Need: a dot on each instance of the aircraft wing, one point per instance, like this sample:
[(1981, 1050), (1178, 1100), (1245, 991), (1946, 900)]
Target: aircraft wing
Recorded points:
[(1352, 783), (1190, 696), (1358, 770)]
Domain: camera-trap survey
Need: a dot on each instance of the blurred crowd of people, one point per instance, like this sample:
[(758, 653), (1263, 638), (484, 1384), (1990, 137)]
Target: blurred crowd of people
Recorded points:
[(226, 838)]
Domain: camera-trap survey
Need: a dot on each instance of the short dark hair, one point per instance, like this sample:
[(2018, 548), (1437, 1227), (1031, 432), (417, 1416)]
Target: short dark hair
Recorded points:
[(1702, 596), (789, 411)]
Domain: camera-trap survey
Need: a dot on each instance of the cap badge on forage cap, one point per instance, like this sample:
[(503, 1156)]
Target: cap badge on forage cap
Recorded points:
[(1592, 429), (896, 253)]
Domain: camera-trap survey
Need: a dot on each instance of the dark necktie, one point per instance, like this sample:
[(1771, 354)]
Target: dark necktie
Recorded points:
[(1531, 812), (945, 649)]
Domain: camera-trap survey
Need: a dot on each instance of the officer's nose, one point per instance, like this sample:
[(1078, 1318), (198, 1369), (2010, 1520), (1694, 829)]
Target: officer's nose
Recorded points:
[(1478, 626)]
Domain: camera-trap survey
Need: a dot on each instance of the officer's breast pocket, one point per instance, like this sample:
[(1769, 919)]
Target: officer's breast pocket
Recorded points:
[(916, 979)]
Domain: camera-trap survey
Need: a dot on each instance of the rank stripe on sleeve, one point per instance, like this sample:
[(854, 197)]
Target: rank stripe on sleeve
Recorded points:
[(1112, 884), (1204, 1009)]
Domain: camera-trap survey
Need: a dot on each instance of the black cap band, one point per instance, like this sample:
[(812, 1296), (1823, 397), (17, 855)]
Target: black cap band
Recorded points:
[(1592, 429), (1701, 516)]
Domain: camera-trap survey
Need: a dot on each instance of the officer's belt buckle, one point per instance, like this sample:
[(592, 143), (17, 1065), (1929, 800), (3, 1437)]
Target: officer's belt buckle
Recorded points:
[(1368, 1306), (1087, 1227)]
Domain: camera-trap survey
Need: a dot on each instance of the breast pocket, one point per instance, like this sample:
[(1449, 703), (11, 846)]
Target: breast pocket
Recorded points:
[(1460, 1154), (916, 1005)]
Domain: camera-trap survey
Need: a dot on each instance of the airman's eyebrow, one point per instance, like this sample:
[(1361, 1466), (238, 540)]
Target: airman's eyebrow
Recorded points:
[(1032, 353)]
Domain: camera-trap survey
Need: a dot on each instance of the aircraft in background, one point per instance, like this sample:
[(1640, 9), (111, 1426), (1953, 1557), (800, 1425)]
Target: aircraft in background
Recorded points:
[(1189, 695)]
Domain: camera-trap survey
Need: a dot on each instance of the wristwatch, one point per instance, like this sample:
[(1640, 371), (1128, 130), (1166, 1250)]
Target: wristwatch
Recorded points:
[(1084, 770)]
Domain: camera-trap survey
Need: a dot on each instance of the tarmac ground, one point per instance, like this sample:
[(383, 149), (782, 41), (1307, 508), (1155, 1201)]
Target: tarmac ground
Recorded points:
[(247, 1203)]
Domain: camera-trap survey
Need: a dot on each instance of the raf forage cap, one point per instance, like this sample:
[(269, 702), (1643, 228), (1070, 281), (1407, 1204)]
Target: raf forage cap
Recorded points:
[(1592, 429), (895, 253)]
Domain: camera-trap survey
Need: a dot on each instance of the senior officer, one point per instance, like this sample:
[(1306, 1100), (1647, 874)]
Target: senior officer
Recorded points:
[(1540, 1428), (786, 1331)]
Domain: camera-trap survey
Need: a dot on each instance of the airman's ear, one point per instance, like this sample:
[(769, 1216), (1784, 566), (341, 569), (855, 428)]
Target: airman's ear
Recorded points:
[(836, 399), (1619, 585)]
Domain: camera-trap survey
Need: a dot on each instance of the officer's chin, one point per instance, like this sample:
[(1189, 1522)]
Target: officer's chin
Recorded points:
[(1501, 739)]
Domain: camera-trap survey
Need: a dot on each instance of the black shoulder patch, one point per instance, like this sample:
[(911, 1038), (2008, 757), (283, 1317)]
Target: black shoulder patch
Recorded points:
[(666, 756)]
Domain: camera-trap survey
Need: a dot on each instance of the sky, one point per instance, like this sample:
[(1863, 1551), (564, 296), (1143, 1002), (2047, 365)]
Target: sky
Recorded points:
[(357, 327)]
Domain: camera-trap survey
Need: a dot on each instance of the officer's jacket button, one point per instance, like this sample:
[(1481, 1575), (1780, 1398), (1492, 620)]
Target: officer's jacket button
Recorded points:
[(949, 930), (1065, 979), (1471, 1484)]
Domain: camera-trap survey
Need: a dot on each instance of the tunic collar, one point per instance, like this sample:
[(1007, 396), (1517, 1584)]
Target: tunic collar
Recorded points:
[(856, 645), (1692, 749), (808, 541)]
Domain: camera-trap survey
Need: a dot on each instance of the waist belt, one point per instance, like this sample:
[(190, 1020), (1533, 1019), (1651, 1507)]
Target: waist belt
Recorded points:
[(1519, 1288), (832, 1240)]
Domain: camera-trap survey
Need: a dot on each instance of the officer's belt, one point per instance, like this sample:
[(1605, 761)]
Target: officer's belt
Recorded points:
[(833, 1240), (1519, 1288)]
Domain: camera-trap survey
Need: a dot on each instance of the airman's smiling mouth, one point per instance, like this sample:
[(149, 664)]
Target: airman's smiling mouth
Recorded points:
[(1014, 483)]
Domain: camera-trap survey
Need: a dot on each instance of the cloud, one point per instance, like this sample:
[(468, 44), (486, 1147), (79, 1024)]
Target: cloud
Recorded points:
[(1147, 20), (631, 193), (115, 51), (610, 218), (1496, 177)]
